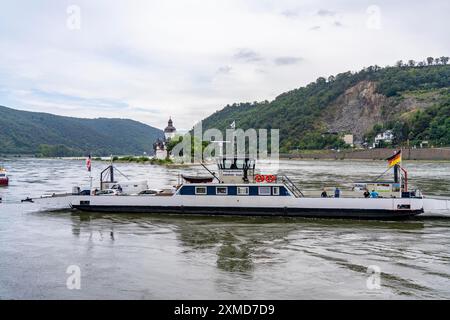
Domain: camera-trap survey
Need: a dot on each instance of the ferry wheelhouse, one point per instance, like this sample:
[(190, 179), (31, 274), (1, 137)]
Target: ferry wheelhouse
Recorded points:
[(238, 190)]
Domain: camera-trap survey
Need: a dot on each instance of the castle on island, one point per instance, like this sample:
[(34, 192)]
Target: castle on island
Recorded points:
[(160, 145)]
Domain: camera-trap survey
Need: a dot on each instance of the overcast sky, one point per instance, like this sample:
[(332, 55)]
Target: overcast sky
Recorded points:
[(148, 60)]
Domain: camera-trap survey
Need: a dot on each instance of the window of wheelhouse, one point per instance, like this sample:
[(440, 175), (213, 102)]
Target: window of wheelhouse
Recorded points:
[(228, 164), (200, 190), (236, 164), (240, 163)]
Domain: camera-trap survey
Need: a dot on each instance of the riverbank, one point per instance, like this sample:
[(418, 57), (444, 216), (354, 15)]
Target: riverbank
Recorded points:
[(427, 154), (141, 159), (433, 154)]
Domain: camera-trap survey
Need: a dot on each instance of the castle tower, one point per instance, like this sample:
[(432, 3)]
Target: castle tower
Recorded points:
[(160, 145), (170, 130)]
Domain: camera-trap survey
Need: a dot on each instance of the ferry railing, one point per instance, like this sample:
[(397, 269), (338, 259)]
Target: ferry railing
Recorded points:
[(291, 186)]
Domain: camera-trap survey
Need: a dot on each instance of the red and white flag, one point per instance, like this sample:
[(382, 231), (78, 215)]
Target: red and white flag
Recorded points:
[(88, 163)]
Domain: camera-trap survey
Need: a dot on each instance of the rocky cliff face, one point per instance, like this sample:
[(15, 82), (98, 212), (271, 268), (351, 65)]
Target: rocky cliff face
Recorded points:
[(361, 107)]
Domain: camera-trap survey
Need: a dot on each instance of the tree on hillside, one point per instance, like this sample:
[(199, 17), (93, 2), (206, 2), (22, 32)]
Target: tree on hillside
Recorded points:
[(321, 80), (399, 63), (411, 63), (444, 60), (401, 131), (430, 60)]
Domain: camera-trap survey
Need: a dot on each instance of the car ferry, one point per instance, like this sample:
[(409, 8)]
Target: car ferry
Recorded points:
[(238, 190)]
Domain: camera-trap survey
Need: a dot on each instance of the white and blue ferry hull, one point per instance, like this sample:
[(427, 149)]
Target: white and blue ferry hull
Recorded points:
[(358, 208)]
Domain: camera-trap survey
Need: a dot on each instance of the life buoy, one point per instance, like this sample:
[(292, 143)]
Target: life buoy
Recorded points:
[(259, 178), (271, 178)]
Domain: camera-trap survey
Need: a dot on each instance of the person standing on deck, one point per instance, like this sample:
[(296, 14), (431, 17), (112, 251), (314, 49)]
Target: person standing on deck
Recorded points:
[(337, 193), (366, 193)]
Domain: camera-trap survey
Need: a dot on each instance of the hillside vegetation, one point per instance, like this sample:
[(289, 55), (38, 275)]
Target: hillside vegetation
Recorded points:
[(23, 132), (413, 100)]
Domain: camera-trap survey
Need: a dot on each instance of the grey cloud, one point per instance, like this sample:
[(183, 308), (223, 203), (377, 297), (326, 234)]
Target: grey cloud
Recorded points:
[(325, 13), (315, 28), (290, 13), (224, 70), (282, 61), (247, 55)]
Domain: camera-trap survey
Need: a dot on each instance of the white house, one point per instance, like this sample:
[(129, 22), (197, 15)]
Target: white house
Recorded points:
[(386, 136)]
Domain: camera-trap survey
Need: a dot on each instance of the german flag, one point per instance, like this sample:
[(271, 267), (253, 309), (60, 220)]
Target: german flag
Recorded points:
[(396, 158)]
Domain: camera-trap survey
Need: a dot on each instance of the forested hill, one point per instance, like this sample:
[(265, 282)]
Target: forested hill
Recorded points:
[(411, 99), (23, 132)]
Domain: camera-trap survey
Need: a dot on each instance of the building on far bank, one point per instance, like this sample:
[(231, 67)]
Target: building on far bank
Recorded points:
[(386, 137), (160, 144), (348, 139), (160, 149)]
